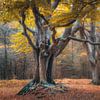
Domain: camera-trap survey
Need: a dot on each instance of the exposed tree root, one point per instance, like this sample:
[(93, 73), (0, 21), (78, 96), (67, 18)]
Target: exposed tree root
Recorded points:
[(42, 89), (95, 83), (26, 89)]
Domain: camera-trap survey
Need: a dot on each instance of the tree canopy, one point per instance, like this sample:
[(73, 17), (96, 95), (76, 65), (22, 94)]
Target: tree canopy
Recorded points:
[(66, 10), (66, 13)]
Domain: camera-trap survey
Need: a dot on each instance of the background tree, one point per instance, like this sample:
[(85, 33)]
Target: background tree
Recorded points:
[(4, 37)]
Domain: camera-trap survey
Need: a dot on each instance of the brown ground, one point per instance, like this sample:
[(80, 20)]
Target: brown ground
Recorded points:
[(78, 89)]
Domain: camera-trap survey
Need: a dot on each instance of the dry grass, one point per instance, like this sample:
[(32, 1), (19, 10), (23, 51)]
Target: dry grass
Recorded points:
[(78, 89)]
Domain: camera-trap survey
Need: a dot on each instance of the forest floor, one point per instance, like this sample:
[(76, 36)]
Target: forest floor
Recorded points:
[(77, 89)]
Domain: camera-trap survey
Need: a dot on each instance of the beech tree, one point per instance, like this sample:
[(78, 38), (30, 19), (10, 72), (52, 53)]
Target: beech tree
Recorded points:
[(47, 15)]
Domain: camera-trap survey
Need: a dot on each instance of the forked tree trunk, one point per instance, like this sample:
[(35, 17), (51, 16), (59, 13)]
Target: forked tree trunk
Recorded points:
[(44, 59), (44, 64), (43, 72)]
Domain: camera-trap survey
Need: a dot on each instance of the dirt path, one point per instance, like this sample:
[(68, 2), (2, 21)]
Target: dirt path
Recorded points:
[(78, 89)]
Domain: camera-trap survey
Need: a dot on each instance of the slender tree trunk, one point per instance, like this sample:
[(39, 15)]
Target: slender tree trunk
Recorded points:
[(6, 57), (37, 75), (49, 69), (24, 67), (42, 68)]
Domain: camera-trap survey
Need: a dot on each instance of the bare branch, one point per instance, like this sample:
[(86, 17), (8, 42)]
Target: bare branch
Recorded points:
[(67, 24), (30, 30), (81, 40), (25, 30)]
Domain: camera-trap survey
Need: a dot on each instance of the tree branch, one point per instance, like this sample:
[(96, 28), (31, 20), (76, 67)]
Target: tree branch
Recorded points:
[(25, 30), (81, 40), (30, 30), (55, 4), (67, 24), (53, 35)]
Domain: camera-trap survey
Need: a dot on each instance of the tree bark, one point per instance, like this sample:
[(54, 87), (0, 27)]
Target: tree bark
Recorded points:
[(44, 64), (42, 69), (49, 69), (37, 77), (6, 57), (93, 55)]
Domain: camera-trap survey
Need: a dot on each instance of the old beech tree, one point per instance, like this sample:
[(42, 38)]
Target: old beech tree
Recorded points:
[(47, 16)]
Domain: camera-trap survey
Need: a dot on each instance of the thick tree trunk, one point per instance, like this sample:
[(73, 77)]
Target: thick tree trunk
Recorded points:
[(44, 64)]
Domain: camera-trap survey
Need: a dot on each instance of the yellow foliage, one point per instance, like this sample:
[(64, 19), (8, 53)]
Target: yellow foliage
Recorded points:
[(30, 19), (9, 9), (61, 14), (64, 13), (59, 32), (20, 43), (14, 24)]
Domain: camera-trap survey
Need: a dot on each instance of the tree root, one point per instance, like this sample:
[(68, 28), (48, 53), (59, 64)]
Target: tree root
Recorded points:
[(26, 88), (42, 89), (95, 83)]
